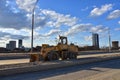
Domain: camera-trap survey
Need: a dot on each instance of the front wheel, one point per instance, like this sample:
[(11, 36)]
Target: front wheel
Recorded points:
[(64, 55), (53, 56)]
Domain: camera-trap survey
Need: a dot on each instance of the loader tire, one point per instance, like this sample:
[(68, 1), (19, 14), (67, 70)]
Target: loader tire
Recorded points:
[(64, 55), (53, 56), (72, 55)]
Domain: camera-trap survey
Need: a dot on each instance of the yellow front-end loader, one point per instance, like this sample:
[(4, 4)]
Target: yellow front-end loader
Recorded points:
[(61, 51)]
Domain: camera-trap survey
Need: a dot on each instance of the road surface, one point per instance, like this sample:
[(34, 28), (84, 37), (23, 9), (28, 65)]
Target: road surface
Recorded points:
[(107, 70), (17, 61), (13, 61)]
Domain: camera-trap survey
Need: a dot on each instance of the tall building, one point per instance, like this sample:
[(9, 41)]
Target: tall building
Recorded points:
[(95, 40), (12, 45), (20, 43)]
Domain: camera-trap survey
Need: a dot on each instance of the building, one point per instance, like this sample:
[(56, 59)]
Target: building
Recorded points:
[(115, 44), (12, 45), (20, 43), (8, 46), (95, 40), (2, 50)]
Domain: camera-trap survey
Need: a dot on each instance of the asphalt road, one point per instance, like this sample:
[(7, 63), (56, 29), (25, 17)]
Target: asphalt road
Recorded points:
[(13, 61), (17, 61), (107, 70)]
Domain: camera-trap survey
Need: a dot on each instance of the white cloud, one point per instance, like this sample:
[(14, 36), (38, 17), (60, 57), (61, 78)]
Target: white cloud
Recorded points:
[(85, 9), (16, 18), (78, 28), (22, 19), (118, 22), (50, 33), (18, 23), (99, 29), (88, 38), (85, 27), (13, 31), (99, 11), (117, 29), (7, 36), (9, 19), (26, 5), (50, 18), (53, 32), (15, 22), (113, 15), (57, 20)]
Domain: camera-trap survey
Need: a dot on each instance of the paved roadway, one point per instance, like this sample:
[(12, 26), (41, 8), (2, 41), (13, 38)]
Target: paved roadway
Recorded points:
[(17, 61), (107, 70), (13, 61)]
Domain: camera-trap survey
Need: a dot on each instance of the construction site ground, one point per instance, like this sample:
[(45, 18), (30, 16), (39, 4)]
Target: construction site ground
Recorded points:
[(105, 65), (107, 70)]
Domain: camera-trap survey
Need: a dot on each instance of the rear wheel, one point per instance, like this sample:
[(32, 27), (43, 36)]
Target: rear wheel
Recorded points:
[(75, 55), (72, 55)]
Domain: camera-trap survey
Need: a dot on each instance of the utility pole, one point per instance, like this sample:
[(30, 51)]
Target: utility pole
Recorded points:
[(33, 10), (109, 36)]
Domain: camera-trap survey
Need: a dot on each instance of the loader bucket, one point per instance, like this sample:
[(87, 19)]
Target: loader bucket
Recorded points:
[(34, 57)]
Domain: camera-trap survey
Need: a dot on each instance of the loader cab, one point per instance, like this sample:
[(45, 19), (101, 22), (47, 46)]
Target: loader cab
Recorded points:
[(63, 40)]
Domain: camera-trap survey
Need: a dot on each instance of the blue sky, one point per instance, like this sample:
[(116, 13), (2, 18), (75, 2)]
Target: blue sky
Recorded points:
[(74, 19)]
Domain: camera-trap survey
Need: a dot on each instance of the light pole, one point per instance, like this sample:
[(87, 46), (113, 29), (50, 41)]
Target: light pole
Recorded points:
[(109, 36), (33, 10)]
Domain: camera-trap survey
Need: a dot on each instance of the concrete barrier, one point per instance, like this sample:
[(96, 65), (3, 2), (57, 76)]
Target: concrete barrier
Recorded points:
[(40, 66)]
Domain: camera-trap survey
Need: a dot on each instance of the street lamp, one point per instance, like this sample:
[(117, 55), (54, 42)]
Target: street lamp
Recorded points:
[(109, 36), (33, 10)]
